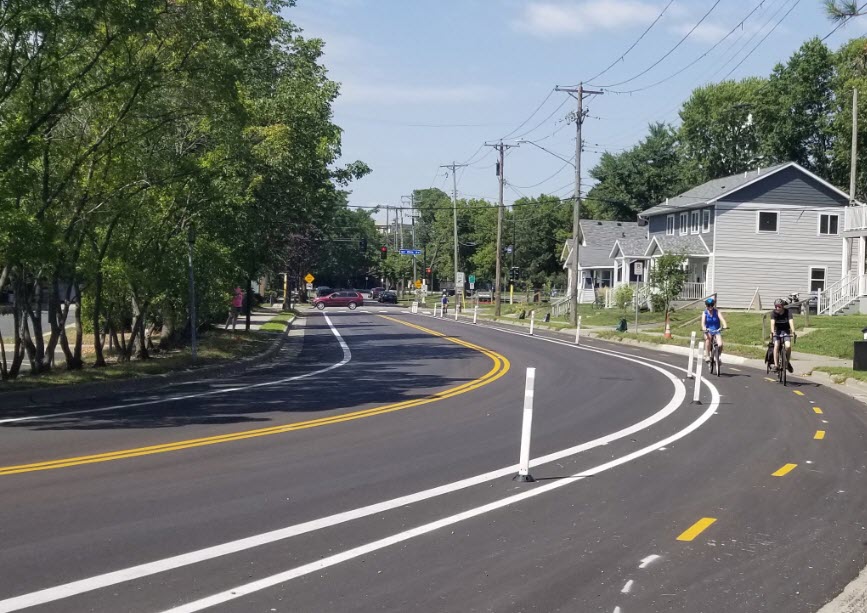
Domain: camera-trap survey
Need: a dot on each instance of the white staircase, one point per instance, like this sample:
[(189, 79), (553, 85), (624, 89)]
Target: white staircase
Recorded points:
[(842, 294)]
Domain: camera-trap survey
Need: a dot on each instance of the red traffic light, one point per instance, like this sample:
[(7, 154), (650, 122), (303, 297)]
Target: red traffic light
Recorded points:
[(427, 270), (383, 252)]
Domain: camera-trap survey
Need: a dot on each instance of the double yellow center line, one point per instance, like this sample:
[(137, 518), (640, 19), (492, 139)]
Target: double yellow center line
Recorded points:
[(500, 368)]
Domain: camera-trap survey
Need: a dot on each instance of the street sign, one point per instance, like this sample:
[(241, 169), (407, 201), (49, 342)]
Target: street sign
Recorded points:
[(418, 284), (509, 249), (309, 278), (459, 280), (639, 268), (309, 286), (472, 285), (410, 251), (472, 278)]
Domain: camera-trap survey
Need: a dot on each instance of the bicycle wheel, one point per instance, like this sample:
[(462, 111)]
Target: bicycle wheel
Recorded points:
[(716, 358)]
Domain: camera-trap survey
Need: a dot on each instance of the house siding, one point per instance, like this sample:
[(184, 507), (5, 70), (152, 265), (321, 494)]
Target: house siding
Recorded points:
[(777, 264), (656, 224), (788, 186)]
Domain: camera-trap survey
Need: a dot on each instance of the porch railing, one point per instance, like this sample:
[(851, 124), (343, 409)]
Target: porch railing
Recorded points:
[(561, 306), (856, 218), (837, 296), (691, 291)]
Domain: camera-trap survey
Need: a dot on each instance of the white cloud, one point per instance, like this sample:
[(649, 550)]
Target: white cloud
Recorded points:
[(557, 18), (384, 93)]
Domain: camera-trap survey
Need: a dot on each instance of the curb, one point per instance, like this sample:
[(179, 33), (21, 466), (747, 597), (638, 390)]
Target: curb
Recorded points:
[(97, 389)]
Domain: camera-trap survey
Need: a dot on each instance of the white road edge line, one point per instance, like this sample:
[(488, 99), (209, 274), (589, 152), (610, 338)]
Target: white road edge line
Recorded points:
[(166, 564), (347, 356), (261, 584), (648, 561)]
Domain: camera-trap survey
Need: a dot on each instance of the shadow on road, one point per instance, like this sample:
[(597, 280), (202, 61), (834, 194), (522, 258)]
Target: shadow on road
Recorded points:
[(388, 365)]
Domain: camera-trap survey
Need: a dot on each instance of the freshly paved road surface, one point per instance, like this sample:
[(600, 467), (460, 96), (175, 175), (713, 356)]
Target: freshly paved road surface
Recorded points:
[(372, 472)]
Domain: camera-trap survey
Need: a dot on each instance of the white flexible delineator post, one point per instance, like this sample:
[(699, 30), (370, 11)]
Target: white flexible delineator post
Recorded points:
[(527, 428), (696, 393), (578, 332), (475, 313), (691, 355), (532, 321)]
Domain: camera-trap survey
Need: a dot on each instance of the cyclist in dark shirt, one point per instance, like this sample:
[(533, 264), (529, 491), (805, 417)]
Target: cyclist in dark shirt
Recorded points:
[(782, 329)]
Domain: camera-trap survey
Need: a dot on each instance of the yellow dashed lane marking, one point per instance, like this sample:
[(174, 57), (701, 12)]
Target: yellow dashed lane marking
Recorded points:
[(799, 393), (820, 434), (784, 470), (500, 368), (697, 528), (769, 379), (817, 410)]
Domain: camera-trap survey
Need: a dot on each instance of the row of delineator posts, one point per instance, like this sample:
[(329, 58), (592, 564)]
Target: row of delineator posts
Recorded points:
[(530, 386)]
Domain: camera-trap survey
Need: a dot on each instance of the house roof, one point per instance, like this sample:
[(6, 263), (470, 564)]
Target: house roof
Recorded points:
[(629, 248), (690, 244), (599, 238), (703, 194)]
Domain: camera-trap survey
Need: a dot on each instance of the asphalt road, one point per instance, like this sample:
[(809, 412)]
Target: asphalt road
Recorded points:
[(371, 471)]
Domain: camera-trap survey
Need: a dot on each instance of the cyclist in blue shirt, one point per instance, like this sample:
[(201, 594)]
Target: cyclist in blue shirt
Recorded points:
[(712, 321)]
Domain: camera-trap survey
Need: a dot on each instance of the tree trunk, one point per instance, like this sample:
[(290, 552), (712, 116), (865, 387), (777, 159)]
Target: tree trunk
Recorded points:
[(98, 339), (249, 308), (18, 352), (77, 363), (4, 372)]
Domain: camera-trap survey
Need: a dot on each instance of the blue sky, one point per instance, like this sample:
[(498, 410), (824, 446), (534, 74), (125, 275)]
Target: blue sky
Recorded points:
[(425, 82)]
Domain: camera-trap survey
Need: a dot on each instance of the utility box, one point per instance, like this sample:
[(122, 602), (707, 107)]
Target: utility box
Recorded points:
[(860, 362)]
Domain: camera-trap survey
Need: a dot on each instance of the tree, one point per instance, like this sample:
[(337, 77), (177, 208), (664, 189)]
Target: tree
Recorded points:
[(794, 111), (718, 128), (842, 10), (667, 276), (645, 175)]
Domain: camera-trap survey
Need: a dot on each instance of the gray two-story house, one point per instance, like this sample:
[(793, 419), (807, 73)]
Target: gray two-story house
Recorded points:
[(751, 237)]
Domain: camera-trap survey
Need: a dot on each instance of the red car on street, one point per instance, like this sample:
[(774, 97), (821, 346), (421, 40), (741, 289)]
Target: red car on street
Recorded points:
[(346, 298)]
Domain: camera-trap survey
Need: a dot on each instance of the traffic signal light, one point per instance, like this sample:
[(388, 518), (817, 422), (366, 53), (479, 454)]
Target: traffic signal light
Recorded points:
[(514, 273), (427, 270), (362, 245), (383, 252)]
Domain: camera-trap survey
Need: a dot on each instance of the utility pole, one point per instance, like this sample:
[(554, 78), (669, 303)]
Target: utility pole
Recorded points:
[(854, 158), (453, 167), (501, 148), (411, 200), (578, 93)]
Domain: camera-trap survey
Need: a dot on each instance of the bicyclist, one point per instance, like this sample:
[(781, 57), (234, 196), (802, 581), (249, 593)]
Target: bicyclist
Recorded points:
[(782, 329), (712, 321)]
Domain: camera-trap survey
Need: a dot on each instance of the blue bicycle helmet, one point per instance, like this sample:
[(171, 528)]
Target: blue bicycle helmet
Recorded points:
[(710, 302)]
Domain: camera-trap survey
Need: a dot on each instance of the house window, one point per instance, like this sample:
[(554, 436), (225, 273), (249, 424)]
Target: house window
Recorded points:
[(817, 279), (695, 222), (829, 224), (684, 218), (669, 225), (768, 221), (705, 221)]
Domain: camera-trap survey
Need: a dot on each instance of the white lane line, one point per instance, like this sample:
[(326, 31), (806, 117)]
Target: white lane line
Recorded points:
[(347, 356), (648, 561), (617, 610), (628, 587), (166, 564), (267, 582)]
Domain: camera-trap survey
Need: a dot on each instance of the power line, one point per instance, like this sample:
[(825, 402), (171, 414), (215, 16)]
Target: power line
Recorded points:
[(533, 114), (696, 60), (544, 121), (669, 52), (632, 46), (771, 31), (567, 164)]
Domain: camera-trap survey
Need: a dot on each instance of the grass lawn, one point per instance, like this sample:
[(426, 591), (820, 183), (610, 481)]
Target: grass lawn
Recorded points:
[(214, 346), (841, 374), (746, 351)]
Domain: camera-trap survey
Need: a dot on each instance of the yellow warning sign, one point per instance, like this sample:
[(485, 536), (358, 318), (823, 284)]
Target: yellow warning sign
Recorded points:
[(309, 278)]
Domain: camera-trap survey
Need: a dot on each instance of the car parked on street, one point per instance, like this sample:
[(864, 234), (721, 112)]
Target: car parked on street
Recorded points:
[(388, 296), (376, 291), (347, 298)]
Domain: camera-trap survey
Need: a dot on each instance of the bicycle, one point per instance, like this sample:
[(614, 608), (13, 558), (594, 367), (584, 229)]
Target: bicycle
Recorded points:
[(715, 356), (782, 373)]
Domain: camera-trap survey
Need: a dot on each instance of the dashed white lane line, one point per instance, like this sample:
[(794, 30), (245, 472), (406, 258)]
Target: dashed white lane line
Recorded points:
[(167, 564), (648, 561), (347, 356), (628, 587)]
